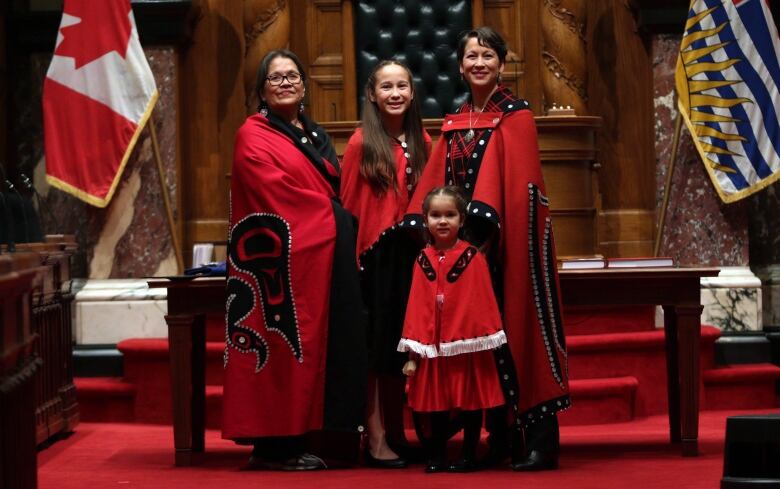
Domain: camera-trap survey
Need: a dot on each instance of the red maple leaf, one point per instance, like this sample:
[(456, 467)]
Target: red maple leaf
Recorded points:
[(104, 27)]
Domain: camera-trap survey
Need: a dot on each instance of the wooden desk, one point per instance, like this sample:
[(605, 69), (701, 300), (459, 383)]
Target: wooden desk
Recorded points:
[(679, 292), (676, 289), (188, 303)]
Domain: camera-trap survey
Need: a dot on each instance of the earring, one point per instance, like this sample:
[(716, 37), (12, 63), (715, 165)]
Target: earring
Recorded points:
[(498, 79), (300, 109), (263, 108)]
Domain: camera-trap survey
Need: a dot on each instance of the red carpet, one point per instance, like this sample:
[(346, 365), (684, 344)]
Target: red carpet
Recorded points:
[(618, 455), (615, 377)]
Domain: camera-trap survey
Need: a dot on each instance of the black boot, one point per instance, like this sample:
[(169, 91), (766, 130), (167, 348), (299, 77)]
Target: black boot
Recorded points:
[(542, 443), (472, 426), (498, 436), (437, 445)]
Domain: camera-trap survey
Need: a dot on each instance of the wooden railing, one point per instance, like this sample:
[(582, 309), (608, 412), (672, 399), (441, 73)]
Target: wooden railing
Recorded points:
[(56, 409), (19, 370)]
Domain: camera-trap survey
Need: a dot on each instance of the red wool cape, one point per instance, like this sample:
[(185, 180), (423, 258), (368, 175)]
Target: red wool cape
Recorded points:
[(376, 214), (283, 229), (452, 309), (452, 323), (509, 192)]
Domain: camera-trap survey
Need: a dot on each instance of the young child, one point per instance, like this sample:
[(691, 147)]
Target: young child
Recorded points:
[(382, 163), (452, 324)]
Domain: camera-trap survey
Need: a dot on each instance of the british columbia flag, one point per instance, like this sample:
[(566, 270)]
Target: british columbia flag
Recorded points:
[(727, 77)]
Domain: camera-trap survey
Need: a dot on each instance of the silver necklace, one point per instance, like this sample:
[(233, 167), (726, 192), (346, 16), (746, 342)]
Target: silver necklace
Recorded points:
[(470, 133)]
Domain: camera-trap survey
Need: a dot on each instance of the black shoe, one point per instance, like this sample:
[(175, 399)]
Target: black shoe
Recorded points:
[(436, 466), (464, 465), (304, 461), (536, 460), (378, 463)]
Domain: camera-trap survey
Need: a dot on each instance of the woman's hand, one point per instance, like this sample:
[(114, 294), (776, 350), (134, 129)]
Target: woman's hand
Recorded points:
[(410, 367)]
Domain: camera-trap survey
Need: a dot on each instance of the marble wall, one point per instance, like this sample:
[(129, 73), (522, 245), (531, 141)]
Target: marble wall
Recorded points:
[(130, 237), (699, 228)]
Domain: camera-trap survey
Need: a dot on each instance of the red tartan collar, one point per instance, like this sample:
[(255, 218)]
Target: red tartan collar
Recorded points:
[(468, 120), (497, 103)]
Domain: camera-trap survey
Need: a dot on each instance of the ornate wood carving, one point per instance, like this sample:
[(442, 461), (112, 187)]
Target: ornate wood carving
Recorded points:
[(266, 27), (564, 50)]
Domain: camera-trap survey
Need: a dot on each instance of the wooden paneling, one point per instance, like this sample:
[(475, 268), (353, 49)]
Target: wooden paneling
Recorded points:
[(567, 148), (620, 89), (212, 109), (329, 55), (626, 232), (505, 17), (620, 196)]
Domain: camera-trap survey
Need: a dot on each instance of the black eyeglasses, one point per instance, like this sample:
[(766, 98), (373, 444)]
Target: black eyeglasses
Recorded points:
[(276, 79)]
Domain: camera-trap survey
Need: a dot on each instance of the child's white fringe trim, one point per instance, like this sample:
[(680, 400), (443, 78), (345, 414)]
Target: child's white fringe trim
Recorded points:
[(453, 348)]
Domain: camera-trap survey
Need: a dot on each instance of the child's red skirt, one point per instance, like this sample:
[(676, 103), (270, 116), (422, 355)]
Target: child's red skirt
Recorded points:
[(468, 381)]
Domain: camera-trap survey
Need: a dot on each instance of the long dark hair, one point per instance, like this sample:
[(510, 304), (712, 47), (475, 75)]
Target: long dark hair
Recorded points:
[(262, 71), (378, 165)]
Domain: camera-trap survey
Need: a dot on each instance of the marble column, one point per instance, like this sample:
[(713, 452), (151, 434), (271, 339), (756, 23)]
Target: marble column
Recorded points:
[(765, 249), (699, 228)]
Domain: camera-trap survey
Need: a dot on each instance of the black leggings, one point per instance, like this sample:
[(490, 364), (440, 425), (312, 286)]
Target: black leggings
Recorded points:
[(435, 428)]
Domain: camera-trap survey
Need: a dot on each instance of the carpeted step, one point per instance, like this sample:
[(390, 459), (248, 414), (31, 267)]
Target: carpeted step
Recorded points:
[(147, 366), (637, 354), (215, 327), (740, 386), (105, 399), (214, 407), (582, 320), (598, 401)]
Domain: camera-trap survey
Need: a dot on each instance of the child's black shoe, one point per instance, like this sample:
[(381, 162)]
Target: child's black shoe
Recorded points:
[(436, 465), (464, 465)]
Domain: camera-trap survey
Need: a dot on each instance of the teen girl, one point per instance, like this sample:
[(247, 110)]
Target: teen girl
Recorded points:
[(452, 325), (382, 164)]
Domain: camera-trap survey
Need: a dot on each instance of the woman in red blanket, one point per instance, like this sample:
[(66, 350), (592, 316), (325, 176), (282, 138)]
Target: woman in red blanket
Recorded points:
[(382, 163), (489, 150), (295, 358), (452, 325)]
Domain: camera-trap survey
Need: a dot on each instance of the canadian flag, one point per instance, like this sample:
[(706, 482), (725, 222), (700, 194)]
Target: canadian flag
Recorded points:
[(98, 94)]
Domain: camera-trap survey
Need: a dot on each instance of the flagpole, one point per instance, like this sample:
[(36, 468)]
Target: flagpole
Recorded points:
[(166, 198), (668, 184)]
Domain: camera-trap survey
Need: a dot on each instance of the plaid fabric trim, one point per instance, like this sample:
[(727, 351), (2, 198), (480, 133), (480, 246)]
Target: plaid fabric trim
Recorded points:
[(460, 150)]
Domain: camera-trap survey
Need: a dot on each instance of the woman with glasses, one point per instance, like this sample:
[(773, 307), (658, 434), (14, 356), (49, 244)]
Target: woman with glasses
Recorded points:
[(489, 150), (295, 358)]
